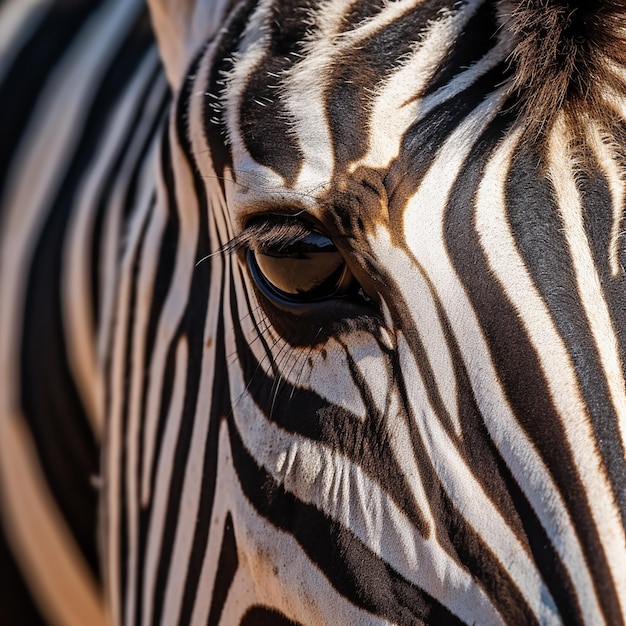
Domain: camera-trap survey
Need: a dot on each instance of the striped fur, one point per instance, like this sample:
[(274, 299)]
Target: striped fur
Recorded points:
[(445, 445)]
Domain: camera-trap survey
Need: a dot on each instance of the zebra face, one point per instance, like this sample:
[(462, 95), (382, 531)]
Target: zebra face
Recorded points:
[(392, 333), (319, 306), (414, 333)]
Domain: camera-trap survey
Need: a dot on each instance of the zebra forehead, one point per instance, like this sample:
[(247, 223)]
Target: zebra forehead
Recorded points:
[(315, 92), (314, 95)]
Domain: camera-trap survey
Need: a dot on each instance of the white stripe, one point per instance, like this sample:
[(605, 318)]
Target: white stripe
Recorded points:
[(305, 87), (398, 104), (113, 229), (427, 242), (324, 478), (40, 161), (508, 267), (293, 363), (144, 292), (254, 43), (163, 479), (76, 266), (114, 435), (194, 476), (273, 569), (607, 152), (276, 572), (177, 297), (418, 300), (221, 503), (37, 172), (457, 478), (470, 499), (604, 508), (194, 469), (149, 261)]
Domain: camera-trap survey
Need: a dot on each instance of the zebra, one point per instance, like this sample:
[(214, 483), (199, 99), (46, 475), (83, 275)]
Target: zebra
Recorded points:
[(312, 312)]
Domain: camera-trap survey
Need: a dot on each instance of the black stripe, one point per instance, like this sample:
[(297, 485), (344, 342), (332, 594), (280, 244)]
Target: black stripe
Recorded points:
[(226, 569), (220, 404), (359, 12), (454, 533), (220, 407), (354, 571), (361, 71), (365, 443), (215, 125), (476, 448), (536, 225), (367, 446), (261, 616), (22, 84), (516, 360), (53, 409), (597, 210), (162, 281), (65, 443), (490, 470), (192, 327), (335, 424), (476, 40), (263, 117), (17, 605), (152, 90), (131, 331), (424, 139)]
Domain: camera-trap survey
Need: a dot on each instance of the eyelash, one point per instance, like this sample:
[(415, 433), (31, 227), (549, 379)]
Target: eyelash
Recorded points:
[(269, 232)]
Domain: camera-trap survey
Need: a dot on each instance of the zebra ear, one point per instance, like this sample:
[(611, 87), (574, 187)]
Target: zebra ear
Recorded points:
[(181, 27)]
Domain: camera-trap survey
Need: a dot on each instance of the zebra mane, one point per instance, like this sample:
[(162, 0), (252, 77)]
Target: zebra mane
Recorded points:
[(567, 55)]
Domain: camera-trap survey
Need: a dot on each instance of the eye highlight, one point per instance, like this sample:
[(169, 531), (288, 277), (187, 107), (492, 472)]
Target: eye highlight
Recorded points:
[(308, 269)]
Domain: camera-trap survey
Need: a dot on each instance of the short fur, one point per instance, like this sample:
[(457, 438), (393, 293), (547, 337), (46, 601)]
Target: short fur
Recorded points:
[(567, 55)]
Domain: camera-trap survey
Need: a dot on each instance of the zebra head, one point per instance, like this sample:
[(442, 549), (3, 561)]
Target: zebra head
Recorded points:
[(386, 328)]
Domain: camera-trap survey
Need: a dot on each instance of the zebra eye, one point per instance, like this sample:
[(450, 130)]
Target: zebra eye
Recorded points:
[(306, 270)]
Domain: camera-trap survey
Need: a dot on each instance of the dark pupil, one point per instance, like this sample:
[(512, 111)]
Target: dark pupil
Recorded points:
[(310, 267)]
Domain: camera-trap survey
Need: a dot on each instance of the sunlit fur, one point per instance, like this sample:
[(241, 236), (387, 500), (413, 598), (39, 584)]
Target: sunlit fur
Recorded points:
[(446, 448)]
